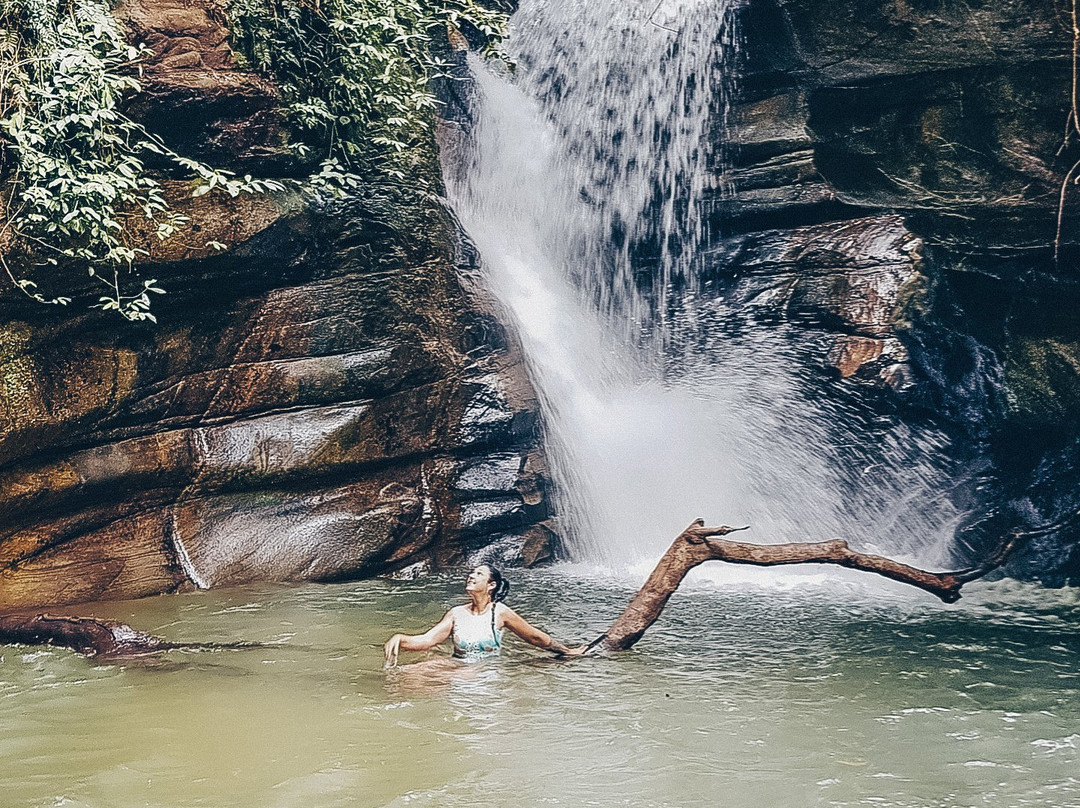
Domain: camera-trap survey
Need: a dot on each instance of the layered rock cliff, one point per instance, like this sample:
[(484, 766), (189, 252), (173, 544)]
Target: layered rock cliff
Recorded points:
[(889, 183), (323, 400), (327, 400)]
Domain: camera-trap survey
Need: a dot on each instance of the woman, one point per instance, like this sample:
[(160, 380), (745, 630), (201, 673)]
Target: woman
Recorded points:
[(476, 627)]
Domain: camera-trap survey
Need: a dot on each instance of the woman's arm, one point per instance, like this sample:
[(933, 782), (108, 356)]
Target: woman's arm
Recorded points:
[(534, 636), (419, 642)]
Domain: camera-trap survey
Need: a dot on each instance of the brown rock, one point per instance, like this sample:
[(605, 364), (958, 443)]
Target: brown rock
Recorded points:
[(880, 361), (849, 354), (193, 90), (305, 404)]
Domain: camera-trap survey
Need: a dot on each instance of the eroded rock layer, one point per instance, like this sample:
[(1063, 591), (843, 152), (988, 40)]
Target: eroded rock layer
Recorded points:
[(323, 400)]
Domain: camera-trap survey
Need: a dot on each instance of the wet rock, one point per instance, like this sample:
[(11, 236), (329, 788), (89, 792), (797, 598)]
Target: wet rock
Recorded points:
[(890, 182), (506, 492), (855, 282), (487, 516), (768, 176), (323, 535), (884, 361), (497, 474), (411, 572), (520, 549), (523, 475), (487, 416), (323, 400)]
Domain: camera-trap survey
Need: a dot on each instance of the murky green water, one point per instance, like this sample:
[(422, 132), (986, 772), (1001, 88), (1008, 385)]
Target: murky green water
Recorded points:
[(816, 692)]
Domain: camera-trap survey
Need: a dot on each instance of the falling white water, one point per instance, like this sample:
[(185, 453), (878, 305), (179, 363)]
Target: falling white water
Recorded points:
[(629, 91), (591, 155)]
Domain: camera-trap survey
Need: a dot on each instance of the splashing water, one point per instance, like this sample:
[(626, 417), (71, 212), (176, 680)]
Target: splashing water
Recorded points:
[(583, 194)]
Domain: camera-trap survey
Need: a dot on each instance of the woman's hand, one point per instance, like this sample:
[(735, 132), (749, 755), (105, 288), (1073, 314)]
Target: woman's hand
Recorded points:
[(563, 652), (420, 642), (393, 645)]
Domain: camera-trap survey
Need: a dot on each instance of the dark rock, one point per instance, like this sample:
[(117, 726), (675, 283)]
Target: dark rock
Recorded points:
[(890, 182), (852, 40), (853, 281)]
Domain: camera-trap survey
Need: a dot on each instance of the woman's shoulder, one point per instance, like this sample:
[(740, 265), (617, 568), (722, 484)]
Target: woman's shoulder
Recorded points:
[(501, 609)]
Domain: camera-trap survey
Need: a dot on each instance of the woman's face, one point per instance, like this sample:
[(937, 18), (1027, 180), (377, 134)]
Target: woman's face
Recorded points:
[(479, 580)]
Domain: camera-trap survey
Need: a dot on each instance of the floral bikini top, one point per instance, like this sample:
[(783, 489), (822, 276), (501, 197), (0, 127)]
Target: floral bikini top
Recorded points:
[(475, 635)]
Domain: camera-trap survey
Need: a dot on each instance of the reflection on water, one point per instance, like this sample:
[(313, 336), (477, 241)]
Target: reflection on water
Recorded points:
[(751, 694)]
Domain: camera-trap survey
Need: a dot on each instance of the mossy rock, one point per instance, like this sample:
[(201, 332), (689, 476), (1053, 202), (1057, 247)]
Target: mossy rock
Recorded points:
[(914, 301), (1042, 380)]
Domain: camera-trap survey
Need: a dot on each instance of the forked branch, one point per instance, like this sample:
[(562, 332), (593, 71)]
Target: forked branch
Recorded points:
[(699, 543)]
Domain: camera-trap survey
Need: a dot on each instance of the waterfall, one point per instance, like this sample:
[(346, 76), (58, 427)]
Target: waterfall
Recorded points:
[(583, 192)]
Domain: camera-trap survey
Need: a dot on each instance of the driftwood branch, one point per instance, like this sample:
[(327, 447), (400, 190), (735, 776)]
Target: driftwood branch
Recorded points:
[(94, 637), (698, 544), (87, 635)]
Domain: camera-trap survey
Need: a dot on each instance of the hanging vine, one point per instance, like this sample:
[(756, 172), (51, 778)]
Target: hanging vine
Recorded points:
[(72, 162), (1072, 128), (356, 75)]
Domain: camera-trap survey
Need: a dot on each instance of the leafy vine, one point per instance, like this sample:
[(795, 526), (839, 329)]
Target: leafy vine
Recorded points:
[(356, 73), (77, 193)]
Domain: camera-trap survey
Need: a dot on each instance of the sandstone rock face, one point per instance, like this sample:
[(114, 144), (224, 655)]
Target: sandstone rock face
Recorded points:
[(324, 400), (852, 279), (890, 182), (196, 96)]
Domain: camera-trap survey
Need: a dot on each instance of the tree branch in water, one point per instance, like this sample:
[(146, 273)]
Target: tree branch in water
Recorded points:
[(698, 544), (87, 635), (93, 636)]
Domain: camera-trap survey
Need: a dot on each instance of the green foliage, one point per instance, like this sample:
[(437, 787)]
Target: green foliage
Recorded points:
[(78, 194), (356, 73), (73, 161)]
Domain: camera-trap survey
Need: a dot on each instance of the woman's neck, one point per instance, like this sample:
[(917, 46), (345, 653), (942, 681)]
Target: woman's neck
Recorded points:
[(480, 602)]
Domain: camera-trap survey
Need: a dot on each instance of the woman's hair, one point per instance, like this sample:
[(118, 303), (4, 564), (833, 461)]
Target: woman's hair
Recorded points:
[(502, 586)]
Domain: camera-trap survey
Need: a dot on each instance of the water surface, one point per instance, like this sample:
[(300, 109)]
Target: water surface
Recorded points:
[(781, 689)]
